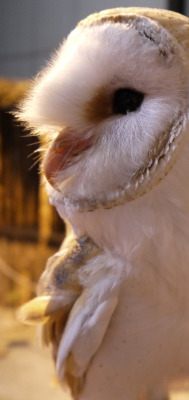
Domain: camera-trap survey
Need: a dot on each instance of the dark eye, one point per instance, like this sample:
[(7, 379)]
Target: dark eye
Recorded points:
[(126, 100)]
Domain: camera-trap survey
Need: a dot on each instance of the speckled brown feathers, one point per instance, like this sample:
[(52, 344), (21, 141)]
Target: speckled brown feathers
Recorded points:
[(58, 289)]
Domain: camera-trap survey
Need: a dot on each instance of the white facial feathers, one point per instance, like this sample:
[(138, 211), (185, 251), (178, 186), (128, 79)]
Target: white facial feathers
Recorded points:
[(77, 90)]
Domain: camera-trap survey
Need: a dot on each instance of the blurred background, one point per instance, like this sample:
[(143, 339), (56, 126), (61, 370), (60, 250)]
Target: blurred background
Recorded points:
[(30, 230)]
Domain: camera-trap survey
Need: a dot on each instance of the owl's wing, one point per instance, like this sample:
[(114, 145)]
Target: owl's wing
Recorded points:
[(82, 336), (78, 293)]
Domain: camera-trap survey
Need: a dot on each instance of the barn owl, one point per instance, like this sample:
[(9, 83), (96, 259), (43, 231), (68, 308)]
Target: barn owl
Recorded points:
[(112, 106)]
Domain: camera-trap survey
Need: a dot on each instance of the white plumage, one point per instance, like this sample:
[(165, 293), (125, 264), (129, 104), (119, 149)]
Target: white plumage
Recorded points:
[(115, 301)]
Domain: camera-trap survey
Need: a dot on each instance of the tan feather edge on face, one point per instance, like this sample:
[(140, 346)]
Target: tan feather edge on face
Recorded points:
[(139, 185), (175, 23), (99, 106)]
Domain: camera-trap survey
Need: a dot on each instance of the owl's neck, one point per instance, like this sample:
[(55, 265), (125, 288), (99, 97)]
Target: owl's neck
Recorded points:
[(152, 223)]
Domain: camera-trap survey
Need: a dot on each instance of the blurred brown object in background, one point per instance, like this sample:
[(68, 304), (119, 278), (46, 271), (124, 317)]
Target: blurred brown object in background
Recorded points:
[(30, 229), (11, 91)]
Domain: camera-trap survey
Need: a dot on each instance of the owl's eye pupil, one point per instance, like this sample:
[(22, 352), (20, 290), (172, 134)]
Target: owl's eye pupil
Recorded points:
[(126, 100)]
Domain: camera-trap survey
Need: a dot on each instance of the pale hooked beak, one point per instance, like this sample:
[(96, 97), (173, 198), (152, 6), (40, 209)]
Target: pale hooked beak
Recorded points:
[(63, 152)]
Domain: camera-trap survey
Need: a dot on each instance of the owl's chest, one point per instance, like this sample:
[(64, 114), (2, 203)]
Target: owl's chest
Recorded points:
[(147, 339), (149, 231), (146, 342), (150, 235)]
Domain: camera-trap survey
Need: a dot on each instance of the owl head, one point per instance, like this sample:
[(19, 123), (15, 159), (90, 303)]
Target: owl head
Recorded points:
[(113, 106)]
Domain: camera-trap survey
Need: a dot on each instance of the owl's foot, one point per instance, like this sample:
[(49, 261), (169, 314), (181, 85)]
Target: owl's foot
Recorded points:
[(59, 285)]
